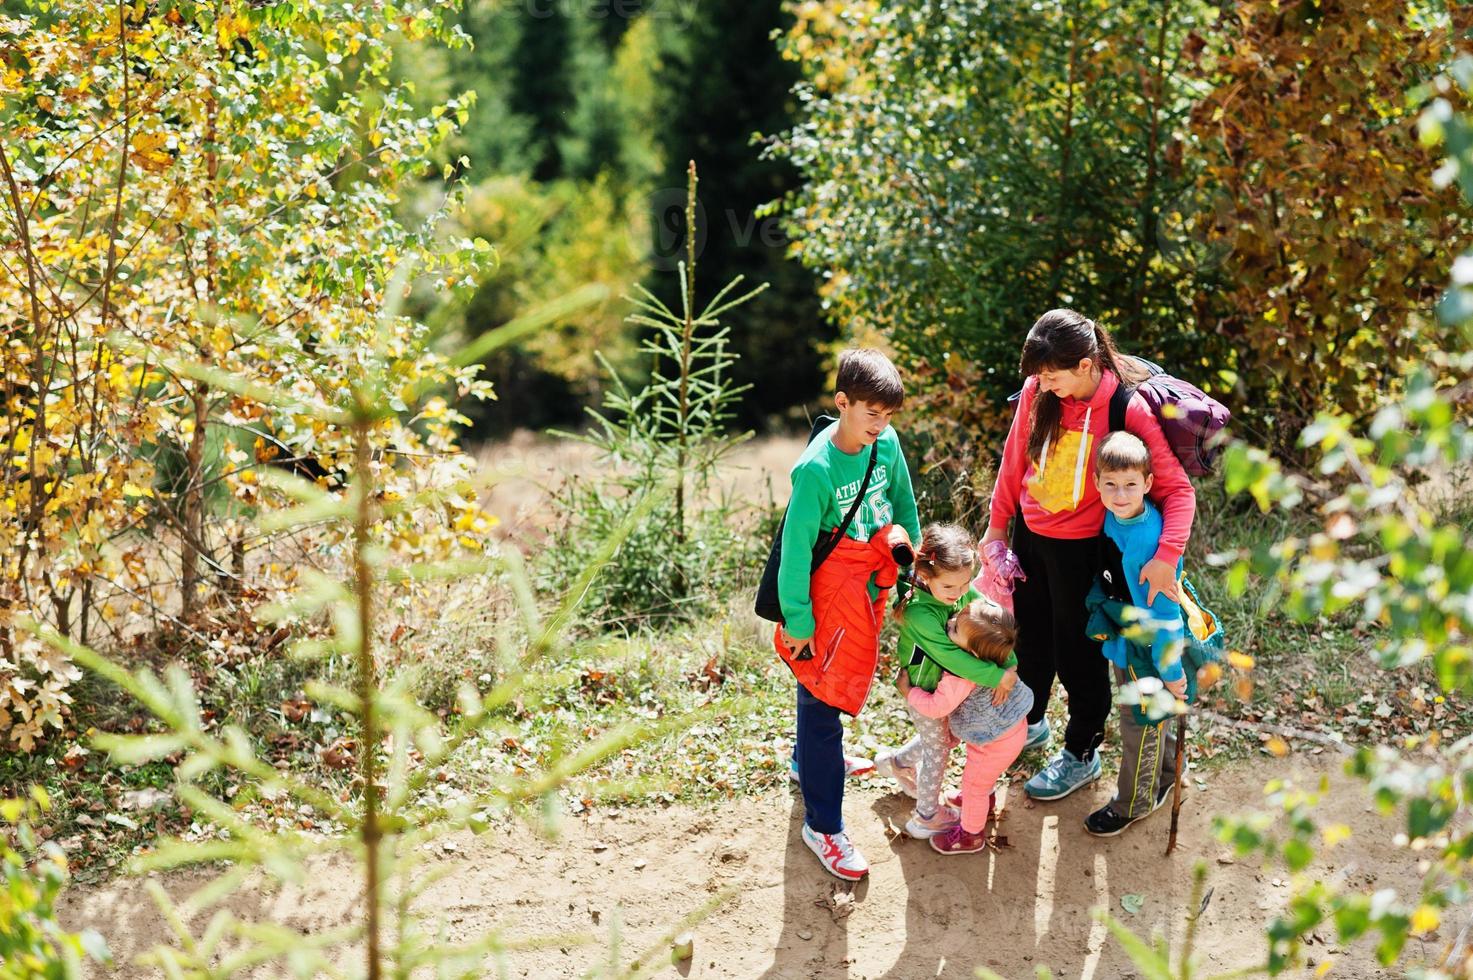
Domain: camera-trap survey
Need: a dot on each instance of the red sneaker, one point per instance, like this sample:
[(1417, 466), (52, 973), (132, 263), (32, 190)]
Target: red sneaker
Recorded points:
[(958, 841)]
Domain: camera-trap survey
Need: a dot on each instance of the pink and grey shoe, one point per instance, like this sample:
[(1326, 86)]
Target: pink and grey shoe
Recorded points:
[(925, 828), (958, 841), (886, 765)]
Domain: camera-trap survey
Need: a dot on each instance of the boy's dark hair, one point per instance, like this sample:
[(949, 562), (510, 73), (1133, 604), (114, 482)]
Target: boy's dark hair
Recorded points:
[(866, 375), (1122, 452), (987, 631)]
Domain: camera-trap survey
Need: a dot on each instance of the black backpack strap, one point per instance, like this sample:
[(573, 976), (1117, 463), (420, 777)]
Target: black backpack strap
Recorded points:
[(1118, 400), (821, 554)]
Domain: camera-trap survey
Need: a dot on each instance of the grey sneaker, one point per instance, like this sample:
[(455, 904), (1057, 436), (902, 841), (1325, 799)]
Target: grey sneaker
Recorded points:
[(1064, 774), (1038, 736)]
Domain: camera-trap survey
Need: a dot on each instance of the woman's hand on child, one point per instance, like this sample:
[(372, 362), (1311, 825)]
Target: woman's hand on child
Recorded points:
[(1177, 687), (902, 682), (1162, 579), (1005, 686)]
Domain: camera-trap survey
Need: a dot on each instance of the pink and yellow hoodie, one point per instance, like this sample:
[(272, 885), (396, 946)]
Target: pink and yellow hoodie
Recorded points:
[(1057, 495)]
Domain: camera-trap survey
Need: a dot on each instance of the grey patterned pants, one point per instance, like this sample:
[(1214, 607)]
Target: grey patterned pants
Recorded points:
[(927, 753)]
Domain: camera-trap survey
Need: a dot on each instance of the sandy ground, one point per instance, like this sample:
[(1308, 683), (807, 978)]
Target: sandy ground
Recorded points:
[(919, 915)]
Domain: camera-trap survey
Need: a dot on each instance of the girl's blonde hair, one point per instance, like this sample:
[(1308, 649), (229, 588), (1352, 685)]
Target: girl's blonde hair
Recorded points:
[(987, 631), (945, 548)]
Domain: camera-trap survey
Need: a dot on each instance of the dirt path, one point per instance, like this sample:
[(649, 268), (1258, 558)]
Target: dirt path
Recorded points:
[(919, 915)]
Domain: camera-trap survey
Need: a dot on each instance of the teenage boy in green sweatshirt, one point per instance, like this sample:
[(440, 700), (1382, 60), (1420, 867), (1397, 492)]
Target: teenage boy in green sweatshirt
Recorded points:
[(832, 616)]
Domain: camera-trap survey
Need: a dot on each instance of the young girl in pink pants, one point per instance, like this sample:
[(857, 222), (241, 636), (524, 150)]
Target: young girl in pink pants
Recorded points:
[(991, 721)]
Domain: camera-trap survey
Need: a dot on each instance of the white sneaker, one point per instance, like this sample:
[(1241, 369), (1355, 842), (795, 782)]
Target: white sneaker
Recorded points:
[(854, 765), (837, 854), (887, 766)]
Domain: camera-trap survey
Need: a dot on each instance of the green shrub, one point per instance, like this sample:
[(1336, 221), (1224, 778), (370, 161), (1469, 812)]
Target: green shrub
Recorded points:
[(32, 943)]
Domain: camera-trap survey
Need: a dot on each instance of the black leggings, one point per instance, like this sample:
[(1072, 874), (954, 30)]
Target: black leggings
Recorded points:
[(1049, 607)]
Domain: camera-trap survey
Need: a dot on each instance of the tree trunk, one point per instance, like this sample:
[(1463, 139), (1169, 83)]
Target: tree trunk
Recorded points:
[(194, 506)]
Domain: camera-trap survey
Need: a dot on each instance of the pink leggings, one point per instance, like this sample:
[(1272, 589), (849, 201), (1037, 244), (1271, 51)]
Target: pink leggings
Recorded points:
[(985, 765)]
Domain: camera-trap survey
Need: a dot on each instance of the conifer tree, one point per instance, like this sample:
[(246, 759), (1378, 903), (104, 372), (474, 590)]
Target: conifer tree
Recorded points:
[(726, 82)]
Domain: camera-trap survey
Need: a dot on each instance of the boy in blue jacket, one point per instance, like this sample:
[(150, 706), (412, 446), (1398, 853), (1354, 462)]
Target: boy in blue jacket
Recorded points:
[(1148, 763)]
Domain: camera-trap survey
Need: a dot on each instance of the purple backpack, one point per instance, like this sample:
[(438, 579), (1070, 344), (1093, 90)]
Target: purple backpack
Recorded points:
[(1190, 418)]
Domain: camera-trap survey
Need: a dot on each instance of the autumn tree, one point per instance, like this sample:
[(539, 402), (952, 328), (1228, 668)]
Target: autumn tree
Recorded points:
[(181, 203), (968, 166), (1316, 195)]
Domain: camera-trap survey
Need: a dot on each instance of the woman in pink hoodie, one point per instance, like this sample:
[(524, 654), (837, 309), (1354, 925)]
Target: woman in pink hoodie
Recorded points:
[(1045, 487)]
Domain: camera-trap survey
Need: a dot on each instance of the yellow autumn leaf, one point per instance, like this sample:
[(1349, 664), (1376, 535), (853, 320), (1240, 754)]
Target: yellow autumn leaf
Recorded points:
[(221, 340), (131, 489), (1240, 660), (1335, 833), (1277, 747), (149, 150), (1424, 920), (1324, 968)]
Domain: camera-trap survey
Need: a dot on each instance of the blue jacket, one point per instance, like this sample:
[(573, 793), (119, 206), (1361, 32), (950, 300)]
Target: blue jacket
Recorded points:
[(1137, 540)]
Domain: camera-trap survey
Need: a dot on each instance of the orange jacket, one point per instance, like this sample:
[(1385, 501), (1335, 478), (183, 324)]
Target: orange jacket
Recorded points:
[(846, 642)]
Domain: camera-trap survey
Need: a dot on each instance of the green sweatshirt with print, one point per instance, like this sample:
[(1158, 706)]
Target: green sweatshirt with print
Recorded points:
[(825, 484)]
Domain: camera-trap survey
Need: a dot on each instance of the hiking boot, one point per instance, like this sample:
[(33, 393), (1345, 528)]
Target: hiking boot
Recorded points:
[(958, 841), (1064, 773), (837, 854), (1110, 822), (924, 828), (1038, 736), (887, 765), (854, 765)]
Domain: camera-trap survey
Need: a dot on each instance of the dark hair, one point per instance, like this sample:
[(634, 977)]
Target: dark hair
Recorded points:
[(1058, 341), (945, 548), (987, 631), (1121, 452), (866, 375)]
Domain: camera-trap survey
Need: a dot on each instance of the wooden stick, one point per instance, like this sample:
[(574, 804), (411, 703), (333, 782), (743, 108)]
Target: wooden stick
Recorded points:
[(1181, 751), (1285, 731)]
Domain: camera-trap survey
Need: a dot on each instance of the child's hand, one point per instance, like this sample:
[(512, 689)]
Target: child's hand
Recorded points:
[(1177, 687), (800, 649), (1005, 686), (902, 682)]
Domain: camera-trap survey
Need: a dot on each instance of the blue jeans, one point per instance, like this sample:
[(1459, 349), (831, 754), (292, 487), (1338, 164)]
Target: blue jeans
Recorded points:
[(819, 751)]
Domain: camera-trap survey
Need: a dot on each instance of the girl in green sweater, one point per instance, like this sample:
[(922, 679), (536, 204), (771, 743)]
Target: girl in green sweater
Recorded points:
[(941, 589)]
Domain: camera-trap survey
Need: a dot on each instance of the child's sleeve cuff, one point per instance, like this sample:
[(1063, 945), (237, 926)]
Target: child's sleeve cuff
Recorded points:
[(1168, 554)]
